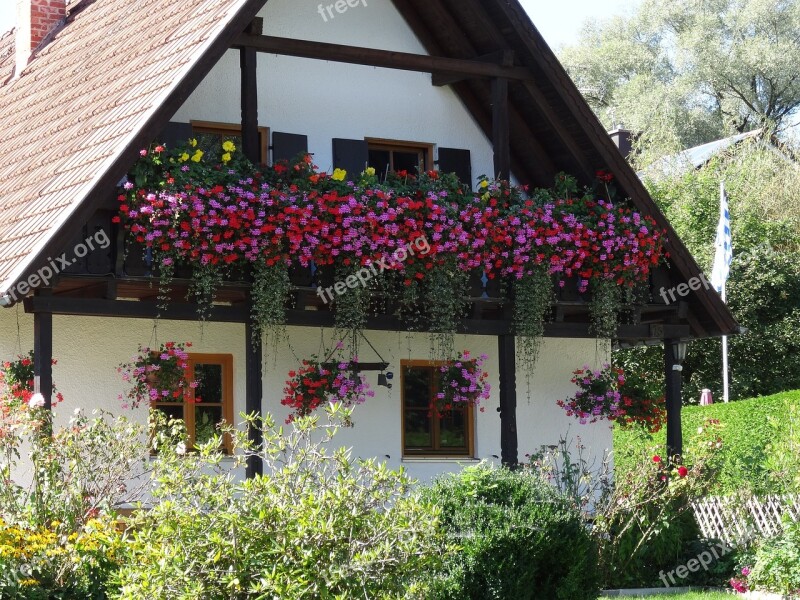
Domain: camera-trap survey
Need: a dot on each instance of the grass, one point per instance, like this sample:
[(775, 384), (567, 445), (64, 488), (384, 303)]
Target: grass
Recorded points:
[(687, 596)]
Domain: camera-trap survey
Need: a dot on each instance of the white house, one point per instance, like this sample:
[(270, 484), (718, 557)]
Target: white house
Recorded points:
[(467, 86)]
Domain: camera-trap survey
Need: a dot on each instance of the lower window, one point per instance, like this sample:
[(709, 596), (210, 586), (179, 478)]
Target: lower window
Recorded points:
[(426, 432), (210, 403)]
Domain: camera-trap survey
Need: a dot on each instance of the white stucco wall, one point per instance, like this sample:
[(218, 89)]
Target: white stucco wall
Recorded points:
[(89, 350), (327, 100)]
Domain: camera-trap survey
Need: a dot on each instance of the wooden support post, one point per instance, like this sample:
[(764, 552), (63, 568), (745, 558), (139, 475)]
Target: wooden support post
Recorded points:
[(501, 133), (250, 142), (253, 390), (672, 380), (508, 401), (43, 354)]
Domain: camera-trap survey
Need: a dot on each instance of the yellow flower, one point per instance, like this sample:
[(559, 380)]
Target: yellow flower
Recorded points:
[(184, 157), (193, 143), (484, 184), (197, 156), (228, 146), (339, 175), (226, 158), (370, 171)]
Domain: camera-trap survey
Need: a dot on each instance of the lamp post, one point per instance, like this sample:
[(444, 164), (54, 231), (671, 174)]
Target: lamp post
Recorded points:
[(674, 355)]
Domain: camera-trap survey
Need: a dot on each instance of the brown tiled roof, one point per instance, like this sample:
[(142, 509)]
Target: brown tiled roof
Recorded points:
[(83, 102), (6, 55)]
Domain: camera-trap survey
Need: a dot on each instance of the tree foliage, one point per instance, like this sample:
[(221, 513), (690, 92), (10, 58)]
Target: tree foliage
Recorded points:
[(764, 286), (686, 72)]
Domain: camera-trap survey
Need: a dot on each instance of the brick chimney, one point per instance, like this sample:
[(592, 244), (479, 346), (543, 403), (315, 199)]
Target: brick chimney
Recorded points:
[(36, 19)]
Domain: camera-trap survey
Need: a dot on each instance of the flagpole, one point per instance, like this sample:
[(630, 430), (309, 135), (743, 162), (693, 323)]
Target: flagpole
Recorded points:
[(725, 388)]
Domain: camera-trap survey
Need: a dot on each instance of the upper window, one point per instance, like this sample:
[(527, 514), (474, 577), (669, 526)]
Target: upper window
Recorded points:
[(211, 403), (426, 433), (210, 137), (386, 156)]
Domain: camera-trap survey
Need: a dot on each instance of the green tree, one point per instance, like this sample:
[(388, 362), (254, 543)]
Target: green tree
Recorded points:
[(686, 72), (763, 187)]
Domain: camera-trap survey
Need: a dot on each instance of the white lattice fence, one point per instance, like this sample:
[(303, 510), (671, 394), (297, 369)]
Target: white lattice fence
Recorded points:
[(735, 520)]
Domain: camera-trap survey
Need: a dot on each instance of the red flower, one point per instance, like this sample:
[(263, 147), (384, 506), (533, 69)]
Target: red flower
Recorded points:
[(683, 471), (656, 459)]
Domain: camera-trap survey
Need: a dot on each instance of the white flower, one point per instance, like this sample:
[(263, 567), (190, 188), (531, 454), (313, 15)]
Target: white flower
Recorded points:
[(699, 430), (180, 448), (36, 401)]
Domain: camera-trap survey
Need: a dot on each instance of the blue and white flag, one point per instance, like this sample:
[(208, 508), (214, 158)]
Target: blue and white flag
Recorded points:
[(724, 254)]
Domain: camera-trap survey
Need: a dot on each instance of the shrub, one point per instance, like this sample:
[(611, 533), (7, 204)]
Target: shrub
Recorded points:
[(777, 562), (49, 563), (757, 434), (318, 524), (516, 536), (58, 536), (644, 524)]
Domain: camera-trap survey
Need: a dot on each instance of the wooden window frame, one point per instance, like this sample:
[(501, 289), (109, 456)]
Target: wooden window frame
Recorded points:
[(435, 453), (403, 146), (226, 361), (228, 129)]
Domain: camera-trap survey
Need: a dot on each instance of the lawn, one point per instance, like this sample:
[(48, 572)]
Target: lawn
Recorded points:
[(687, 596)]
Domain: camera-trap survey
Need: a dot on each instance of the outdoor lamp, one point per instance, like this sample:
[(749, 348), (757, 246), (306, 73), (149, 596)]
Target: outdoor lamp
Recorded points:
[(679, 350)]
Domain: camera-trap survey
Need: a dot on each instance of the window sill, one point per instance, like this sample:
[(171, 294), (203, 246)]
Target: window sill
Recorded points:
[(440, 459)]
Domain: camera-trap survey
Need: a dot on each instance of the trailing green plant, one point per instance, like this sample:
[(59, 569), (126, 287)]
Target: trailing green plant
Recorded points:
[(269, 295), (444, 299), (317, 524), (604, 308), (533, 298), (516, 537)]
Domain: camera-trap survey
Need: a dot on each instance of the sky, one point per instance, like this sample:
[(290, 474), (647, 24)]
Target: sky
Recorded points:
[(559, 21)]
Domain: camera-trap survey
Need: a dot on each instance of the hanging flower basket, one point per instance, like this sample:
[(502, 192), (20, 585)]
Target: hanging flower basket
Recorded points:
[(463, 383), (316, 383), (157, 375), (16, 386), (603, 394)]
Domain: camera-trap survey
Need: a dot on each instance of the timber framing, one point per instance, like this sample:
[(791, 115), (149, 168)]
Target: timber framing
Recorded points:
[(371, 57), (228, 313)]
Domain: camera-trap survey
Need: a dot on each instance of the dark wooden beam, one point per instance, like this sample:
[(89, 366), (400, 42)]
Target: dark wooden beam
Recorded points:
[(501, 132), (101, 307), (251, 145), (672, 389), (254, 389), (498, 57), (387, 59), (43, 353), (508, 401)]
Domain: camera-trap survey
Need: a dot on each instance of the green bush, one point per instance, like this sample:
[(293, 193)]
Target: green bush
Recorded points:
[(749, 429), (517, 538), (318, 524), (58, 536), (40, 564), (777, 562)]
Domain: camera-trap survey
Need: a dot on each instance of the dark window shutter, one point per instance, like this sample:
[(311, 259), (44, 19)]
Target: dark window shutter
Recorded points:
[(350, 155), (175, 134), (286, 146), (452, 160)]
